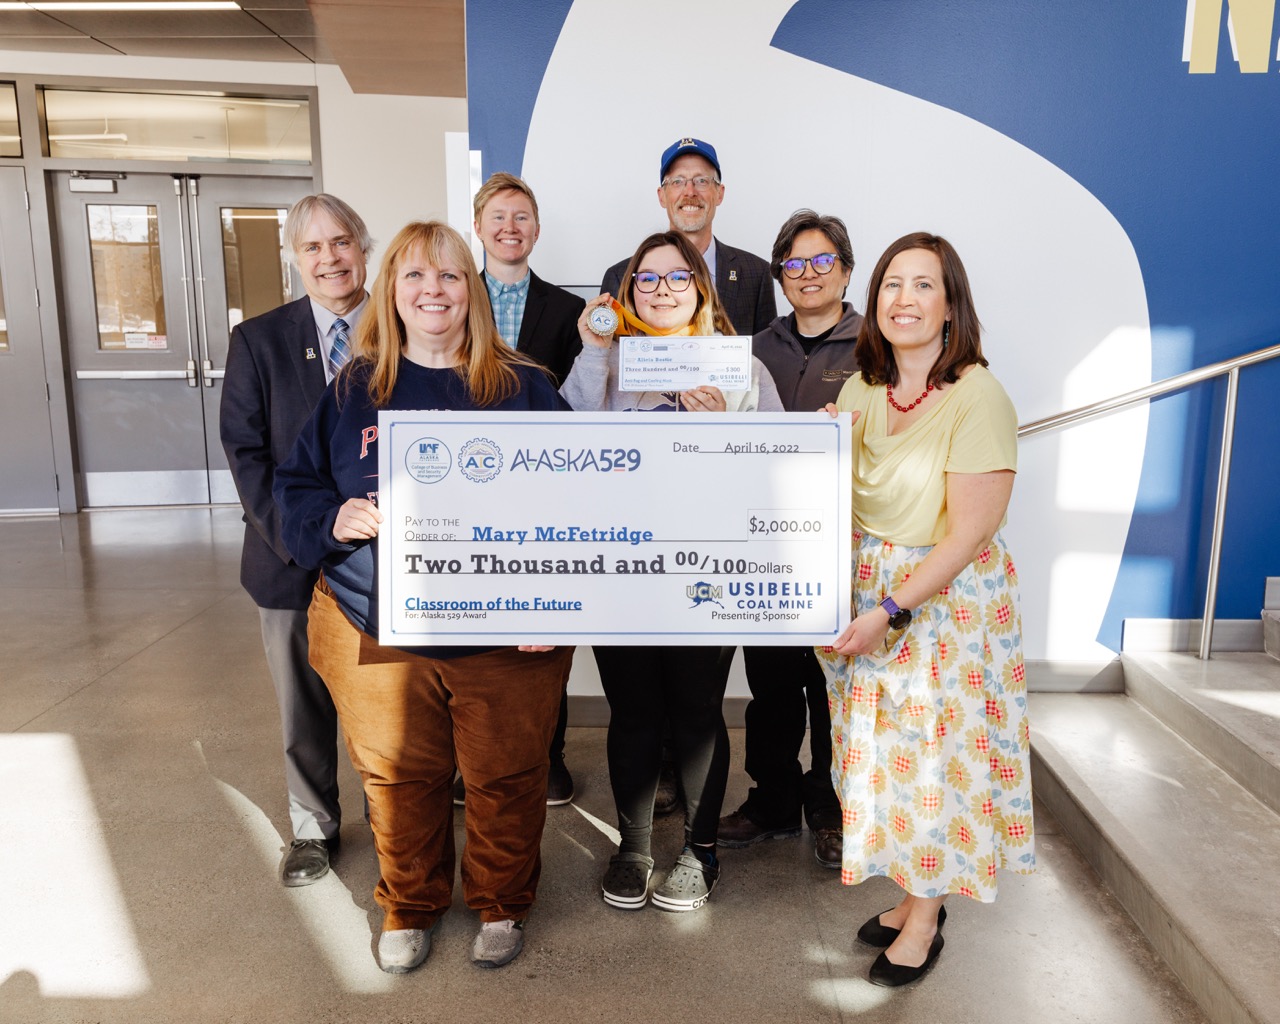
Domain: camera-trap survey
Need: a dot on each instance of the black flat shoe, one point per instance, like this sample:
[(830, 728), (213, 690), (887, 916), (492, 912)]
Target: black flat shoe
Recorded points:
[(890, 975), (873, 933)]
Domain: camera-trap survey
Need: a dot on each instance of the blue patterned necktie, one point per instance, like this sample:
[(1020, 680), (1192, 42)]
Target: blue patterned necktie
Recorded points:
[(340, 352)]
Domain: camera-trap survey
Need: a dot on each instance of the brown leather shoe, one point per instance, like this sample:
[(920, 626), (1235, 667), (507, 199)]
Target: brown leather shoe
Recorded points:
[(736, 830), (306, 861), (828, 847)]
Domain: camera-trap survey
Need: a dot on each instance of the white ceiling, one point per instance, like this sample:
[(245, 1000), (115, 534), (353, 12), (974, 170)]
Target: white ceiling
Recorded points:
[(400, 47)]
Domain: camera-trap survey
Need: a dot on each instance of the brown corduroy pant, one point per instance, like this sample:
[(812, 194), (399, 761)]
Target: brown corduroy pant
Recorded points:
[(408, 720)]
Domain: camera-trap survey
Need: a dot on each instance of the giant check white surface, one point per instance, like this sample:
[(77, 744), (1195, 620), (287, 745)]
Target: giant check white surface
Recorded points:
[(613, 528)]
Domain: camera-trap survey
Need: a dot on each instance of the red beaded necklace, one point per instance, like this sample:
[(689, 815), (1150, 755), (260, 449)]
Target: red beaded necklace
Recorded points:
[(907, 408)]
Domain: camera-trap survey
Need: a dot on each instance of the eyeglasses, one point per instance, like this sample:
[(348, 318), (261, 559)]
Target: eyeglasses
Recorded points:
[(822, 264), (701, 183), (677, 280)]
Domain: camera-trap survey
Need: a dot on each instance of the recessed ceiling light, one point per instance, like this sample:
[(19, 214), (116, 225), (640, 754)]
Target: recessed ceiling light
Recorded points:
[(126, 5)]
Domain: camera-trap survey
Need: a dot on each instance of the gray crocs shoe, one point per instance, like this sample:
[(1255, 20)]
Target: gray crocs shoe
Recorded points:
[(626, 882), (688, 885)]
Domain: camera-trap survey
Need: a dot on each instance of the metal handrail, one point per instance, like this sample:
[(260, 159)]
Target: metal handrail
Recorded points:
[(1154, 390), (1231, 369)]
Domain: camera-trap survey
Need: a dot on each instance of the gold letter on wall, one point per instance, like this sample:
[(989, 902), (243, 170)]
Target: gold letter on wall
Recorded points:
[(1251, 20)]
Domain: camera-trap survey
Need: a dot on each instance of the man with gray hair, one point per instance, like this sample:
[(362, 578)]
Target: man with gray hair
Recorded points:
[(278, 365)]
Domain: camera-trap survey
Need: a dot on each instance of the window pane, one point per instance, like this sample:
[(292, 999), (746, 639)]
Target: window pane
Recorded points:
[(127, 286), (253, 257), (146, 126), (10, 141)]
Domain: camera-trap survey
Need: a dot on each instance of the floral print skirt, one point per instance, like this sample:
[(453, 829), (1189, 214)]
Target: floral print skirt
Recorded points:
[(930, 748)]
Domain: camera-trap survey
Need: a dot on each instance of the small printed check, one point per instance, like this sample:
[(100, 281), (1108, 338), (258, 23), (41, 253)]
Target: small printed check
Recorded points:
[(682, 363), (613, 528)]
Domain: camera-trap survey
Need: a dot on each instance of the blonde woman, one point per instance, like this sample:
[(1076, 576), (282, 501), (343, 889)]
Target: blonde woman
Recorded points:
[(428, 341)]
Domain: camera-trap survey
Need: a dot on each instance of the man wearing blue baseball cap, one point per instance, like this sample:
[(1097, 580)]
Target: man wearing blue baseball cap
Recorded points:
[(690, 191)]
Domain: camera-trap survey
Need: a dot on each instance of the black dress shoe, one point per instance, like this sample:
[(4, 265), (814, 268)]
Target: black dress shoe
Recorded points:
[(828, 847), (873, 933), (306, 861), (885, 972)]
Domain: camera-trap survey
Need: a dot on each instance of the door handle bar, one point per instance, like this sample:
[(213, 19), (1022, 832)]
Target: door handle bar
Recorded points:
[(187, 375), (186, 291)]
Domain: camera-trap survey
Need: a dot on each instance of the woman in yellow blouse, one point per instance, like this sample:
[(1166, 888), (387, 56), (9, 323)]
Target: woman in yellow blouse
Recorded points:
[(927, 687)]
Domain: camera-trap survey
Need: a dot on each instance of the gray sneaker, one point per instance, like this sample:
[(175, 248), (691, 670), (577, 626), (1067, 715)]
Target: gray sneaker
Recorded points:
[(402, 949), (688, 885), (626, 882), (497, 943)]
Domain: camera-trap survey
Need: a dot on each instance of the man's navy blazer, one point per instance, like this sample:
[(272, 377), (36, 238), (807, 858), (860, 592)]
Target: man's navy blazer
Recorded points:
[(274, 378), (742, 282), (549, 330)]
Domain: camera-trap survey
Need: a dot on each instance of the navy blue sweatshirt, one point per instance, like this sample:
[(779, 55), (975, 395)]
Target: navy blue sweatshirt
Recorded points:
[(336, 458)]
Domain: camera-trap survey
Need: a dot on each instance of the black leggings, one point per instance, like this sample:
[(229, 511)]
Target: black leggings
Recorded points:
[(646, 688)]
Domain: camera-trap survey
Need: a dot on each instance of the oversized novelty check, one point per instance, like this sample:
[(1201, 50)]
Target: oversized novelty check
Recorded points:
[(681, 363), (613, 528)]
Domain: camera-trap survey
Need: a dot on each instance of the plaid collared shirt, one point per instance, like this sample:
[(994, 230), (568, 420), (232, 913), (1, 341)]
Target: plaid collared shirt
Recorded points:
[(508, 302)]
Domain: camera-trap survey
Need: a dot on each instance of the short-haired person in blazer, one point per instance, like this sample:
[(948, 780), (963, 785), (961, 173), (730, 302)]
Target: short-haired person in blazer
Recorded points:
[(278, 365), (541, 321), (690, 190), (534, 317)]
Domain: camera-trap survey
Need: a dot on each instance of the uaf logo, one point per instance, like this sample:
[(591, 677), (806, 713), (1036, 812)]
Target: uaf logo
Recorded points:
[(428, 460), (480, 460), (702, 593)]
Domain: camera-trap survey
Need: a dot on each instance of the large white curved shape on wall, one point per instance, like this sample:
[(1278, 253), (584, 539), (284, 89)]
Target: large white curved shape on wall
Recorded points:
[(1055, 277)]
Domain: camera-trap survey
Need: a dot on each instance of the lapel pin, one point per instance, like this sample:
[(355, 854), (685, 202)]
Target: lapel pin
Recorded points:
[(311, 353), (733, 275)]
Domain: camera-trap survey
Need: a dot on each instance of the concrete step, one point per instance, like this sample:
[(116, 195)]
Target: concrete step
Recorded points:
[(1228, 708), (1271, 632), (1191, 854)]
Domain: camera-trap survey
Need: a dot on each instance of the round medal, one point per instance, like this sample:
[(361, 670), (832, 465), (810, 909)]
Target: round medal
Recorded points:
[(603, 321)]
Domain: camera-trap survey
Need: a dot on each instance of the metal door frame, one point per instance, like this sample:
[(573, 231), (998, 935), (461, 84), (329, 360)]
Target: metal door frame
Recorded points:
[(194, 291), (37, 165), (30, 482)]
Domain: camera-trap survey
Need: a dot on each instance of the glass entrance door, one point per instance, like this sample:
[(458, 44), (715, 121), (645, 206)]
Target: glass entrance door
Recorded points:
[(156, 271)]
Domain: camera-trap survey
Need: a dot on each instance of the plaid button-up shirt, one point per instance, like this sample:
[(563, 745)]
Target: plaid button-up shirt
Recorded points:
[(508, 302)]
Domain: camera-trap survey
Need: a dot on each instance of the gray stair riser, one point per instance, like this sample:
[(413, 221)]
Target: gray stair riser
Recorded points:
[(1053, 784)]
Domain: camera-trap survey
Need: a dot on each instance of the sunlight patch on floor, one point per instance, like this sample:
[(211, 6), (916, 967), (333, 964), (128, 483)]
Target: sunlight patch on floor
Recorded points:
[(336, 924), (65, 919)]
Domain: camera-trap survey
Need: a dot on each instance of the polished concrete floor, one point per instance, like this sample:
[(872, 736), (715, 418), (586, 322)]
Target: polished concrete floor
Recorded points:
[(142, 815)]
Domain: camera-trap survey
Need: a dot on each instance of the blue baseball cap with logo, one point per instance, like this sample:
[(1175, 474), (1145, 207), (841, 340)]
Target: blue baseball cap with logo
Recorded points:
[(687, 145)]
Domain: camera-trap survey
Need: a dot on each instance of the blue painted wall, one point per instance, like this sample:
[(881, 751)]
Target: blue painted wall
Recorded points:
[(1187, 163)]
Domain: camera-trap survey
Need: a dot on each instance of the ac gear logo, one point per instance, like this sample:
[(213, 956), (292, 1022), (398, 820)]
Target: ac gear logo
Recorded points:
[(480, 460)]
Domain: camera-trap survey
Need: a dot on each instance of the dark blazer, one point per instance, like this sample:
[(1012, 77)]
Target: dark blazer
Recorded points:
[(549, 330), (274, 378), (742, 281)]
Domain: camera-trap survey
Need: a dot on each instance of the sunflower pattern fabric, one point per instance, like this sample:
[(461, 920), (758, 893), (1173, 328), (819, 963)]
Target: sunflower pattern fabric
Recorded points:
[(930, 744)]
